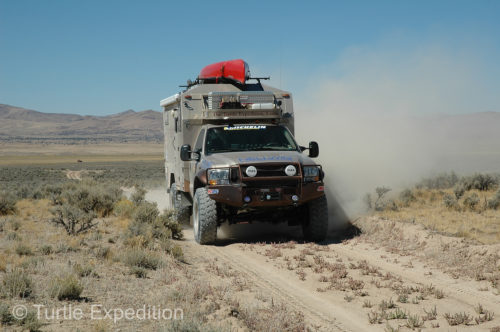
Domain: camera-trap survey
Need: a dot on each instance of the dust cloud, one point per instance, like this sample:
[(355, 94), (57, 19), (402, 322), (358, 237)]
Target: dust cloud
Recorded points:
[(388, 117), (158, 196)]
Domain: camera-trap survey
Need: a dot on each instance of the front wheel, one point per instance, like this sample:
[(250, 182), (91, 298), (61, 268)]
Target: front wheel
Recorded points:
[(204, 217), (316, 225)]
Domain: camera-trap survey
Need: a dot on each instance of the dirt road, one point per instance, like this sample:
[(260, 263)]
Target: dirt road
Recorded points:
[(350, 284), (74, 175)]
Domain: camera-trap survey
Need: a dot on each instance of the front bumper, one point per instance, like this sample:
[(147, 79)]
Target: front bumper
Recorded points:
[(266, 193)]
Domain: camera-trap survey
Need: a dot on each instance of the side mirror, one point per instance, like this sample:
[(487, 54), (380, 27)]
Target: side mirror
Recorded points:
[(186, 153), (313, 149)]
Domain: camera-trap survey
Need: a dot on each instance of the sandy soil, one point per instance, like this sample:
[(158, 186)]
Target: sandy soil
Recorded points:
[(339, 284)]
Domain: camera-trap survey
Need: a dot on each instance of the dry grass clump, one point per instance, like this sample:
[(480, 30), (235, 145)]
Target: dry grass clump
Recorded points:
[(397, 314), (24, 250), (431, 314), (273, 253), (458, 318), (84, 270), (384, 305), (7, 203), (142, 258), (271, 317), (484, 315), (66, 287), (46, 249), (17, 283), (414, 321), (29, 323)]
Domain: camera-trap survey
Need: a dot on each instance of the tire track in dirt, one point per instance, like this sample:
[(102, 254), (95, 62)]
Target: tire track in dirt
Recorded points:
[(317, 310), (74, 175), (461, 293)]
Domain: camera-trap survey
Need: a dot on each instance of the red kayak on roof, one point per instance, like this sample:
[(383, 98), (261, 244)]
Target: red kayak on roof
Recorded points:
[(236, 70)]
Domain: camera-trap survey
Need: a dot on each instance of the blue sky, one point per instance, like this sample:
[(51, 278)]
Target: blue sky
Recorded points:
[(104, 57)]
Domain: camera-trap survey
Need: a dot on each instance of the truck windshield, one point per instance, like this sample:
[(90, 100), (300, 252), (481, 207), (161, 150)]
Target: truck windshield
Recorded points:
[(248, 138)]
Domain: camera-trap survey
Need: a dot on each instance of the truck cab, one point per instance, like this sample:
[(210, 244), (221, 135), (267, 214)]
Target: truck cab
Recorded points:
[(230, 156)]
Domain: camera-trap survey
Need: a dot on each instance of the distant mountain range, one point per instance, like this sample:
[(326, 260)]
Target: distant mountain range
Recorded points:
[(20, 124)]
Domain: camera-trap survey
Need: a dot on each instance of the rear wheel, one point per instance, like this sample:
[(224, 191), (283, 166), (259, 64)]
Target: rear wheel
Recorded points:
[(316, 225), (204, 217), (181, 211)]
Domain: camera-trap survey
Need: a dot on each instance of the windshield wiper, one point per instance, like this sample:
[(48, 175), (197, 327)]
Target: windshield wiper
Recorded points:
[(226, 150), (269, 148)]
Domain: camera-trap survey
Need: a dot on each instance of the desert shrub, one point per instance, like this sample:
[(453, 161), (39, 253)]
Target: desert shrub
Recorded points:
[(67, 287), (30, 322), (146, 212), (470, 202), (6, 317), (380, 205), (46, 249), (144, 233), (92, 197), (32, 263), (166, 219), (24, 250), (136, 228), (390, 205), (83, 270), (440, 181), (494, 202), (459, 190), (141, 258), (139, 195), (482, 182), (7, 203), (124, 208), (3, 262), (13, 236), (450, 202), (139, 272), (73, 219), (103, 252), (176, 252), (407, 197), (367, 199), (24, 192), (17, 283)]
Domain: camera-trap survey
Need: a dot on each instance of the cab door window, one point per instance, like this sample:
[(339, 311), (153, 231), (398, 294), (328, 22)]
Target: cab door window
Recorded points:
[(199, 141)]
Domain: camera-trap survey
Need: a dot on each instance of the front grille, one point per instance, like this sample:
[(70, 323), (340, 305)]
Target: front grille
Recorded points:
[(283, 183)]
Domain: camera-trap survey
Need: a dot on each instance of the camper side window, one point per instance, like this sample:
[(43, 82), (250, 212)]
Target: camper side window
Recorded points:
[(199, 142)]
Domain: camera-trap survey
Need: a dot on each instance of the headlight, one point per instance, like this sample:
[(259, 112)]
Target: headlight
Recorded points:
[(311, 173), (218, 176)]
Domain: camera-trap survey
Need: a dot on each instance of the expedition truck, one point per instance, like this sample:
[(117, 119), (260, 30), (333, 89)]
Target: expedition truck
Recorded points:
[(230, 156)]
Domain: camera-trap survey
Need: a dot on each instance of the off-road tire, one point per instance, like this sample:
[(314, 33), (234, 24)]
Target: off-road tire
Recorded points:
[(181, 212), (316, 225), (204, 217)]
